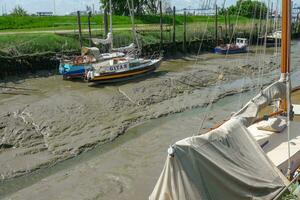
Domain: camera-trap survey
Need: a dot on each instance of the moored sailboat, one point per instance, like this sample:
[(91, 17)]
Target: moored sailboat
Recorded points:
[(243, 158), (125, 68)]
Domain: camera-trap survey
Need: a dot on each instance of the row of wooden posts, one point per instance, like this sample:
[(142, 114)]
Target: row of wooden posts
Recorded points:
[(228, 27)]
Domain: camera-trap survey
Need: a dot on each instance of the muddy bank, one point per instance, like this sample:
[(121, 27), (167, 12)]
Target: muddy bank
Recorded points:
[(52, 120), (14, 64)]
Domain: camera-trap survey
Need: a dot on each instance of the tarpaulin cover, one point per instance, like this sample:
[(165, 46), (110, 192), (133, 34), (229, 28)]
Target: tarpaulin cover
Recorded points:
[(226, 163)]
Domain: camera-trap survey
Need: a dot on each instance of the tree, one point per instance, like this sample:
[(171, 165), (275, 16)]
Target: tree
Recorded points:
[(247, 8), (19, 11), (120, 7)]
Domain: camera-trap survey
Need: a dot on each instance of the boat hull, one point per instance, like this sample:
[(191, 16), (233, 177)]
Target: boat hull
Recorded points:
[(220, 50), (71, 71), (126, 75)]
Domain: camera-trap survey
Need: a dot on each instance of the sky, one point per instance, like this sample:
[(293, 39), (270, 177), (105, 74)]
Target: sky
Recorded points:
[(63, 7)]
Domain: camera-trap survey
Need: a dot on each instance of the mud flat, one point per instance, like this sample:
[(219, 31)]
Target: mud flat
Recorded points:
[(45, 120)]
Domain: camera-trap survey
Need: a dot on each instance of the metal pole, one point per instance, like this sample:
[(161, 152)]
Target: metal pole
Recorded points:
[(54, 8), (79, 28), (110, 13)]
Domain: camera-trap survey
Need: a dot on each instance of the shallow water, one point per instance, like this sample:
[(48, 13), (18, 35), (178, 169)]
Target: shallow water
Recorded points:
[(128, 167)]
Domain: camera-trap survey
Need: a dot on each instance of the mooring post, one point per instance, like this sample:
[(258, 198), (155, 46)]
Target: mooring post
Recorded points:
[(79, 28), (174, 26), (184, 32), (298, 23), (161, 26), (216, 25), (90, 31), (226, 30), (256, 32), (105, 21)]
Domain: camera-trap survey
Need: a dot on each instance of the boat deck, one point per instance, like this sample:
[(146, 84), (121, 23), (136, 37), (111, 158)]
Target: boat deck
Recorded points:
[(275, 144)]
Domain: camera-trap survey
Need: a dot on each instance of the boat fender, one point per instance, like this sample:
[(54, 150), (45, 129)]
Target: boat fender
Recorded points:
[(171, 151), (78, 60)]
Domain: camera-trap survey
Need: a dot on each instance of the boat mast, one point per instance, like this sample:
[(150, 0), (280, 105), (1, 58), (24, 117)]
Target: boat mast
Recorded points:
[(285, 37), (285, 67), (131, 11), (110, 24)]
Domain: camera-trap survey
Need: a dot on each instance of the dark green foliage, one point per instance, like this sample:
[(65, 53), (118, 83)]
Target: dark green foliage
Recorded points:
[(120, 7), (247, 8), (19, 11)]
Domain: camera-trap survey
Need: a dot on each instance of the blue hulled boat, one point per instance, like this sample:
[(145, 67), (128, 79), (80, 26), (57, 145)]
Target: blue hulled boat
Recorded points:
[(241, 46), (77, 66)]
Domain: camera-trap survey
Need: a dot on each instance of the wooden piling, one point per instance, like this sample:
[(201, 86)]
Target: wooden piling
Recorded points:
[(161, 26), (229, 32), (79, 28), (89, 26), (174, 27), (184, 33), (105, 21), (226, 29), (216, 25)]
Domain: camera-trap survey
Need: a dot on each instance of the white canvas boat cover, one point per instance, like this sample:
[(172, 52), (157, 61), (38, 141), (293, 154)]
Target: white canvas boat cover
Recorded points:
[(225, 163), (128, 48), (98, 41)]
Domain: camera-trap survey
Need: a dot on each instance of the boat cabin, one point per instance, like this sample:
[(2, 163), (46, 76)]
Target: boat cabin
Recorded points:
[(241, 42)]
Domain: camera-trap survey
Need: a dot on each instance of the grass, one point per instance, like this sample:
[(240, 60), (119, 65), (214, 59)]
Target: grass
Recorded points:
[(35, 43), (9, 23), (27, 43)]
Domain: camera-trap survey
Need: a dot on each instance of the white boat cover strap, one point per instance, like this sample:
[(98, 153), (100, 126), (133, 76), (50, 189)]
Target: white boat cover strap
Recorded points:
[(98, 41), (128, 48)]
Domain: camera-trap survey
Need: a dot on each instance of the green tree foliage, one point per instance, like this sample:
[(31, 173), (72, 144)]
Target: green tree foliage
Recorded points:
[(247, 8), (120, 7), (19, 11)]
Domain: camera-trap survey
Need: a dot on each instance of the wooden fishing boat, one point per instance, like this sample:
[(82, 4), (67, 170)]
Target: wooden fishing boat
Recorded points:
[(120, 69), (241, 46)]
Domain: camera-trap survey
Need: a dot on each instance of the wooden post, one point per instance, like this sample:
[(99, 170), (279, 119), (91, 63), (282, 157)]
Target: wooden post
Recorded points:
[(229, 33), (105, 22), (161, 26), (174, 26), (184, 32), (298, 23), (216, 25), (79, 28), (89, 25), (226, 30)]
